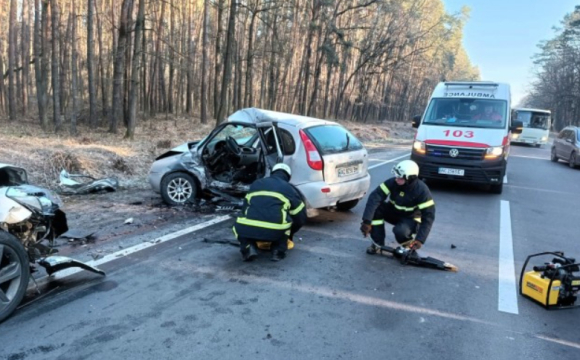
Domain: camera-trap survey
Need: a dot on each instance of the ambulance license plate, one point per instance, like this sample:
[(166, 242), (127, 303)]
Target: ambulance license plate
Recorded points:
[(346, 171), (448, 171)]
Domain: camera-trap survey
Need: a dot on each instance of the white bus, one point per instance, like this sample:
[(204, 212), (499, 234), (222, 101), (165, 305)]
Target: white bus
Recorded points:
[(537, 124)]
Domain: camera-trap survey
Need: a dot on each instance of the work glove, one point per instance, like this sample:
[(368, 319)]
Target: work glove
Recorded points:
[(415, 245), (365, 229)]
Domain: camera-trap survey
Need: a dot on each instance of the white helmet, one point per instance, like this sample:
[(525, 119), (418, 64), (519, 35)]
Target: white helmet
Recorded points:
[(406, 169), (282, 166)]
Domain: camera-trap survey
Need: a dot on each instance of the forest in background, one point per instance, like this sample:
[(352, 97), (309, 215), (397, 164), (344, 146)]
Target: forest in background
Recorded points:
[(115, 63), (557, 75)]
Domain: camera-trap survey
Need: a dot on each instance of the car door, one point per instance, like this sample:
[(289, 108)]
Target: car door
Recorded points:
[(570, 143), (560, 143)]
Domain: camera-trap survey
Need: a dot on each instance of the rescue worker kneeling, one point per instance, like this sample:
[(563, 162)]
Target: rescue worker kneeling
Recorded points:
[(404, 201), (273, 212)]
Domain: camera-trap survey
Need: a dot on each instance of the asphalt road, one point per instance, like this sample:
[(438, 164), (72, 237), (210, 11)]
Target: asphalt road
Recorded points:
[(186, 298)]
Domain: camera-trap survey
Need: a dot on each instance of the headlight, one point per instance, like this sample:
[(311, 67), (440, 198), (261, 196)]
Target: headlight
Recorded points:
[(419, 146), (515, 136), (545, 138), (22, 197), (493, 152), (39, 199)]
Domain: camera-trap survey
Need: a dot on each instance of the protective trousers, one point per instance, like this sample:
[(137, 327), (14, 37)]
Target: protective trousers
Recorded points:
[(404, 227)]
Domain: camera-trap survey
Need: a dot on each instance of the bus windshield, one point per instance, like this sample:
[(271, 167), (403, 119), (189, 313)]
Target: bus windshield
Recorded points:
[(533, 119), (467, 112)]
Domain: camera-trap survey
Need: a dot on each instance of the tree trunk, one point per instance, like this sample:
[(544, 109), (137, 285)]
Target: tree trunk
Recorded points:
[(74, 67), (104, 91), (204, 63), (224, 102), (248, 98), (54, 10), (117, 110), (217, 55), (12, 61), (25, 46), (90, 65), (139, 25), (40, 55), (173, 44)]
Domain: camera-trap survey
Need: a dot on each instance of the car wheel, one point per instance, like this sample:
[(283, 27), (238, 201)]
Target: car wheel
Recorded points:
[(572, 161), (496, 189), (347, 205), (14, 273), (178, 188), (553, 155)]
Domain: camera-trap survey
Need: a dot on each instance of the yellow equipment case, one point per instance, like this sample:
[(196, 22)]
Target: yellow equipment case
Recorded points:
[(553, 285)]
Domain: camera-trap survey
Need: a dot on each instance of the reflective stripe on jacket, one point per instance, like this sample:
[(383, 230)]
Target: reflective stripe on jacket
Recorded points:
[(412, 201), (270, 209)]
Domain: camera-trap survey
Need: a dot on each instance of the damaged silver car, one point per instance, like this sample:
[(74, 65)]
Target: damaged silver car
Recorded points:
[(30, 220), (329, 164)]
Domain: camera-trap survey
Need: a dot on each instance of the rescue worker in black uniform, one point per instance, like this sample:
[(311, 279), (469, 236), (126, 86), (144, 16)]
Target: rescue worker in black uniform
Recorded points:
[(403, 201), (273, 211)]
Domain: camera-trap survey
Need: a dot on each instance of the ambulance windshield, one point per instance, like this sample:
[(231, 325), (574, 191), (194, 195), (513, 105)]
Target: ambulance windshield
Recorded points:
[(477, 113)]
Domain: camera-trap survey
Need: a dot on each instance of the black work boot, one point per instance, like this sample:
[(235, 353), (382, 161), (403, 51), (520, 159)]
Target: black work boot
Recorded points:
[(373, 249), (249, 253), (278, 255)]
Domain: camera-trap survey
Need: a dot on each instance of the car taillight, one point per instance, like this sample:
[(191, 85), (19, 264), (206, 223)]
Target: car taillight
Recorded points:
[(312, 155)]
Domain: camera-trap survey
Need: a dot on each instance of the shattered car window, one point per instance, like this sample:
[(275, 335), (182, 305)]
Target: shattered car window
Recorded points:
[(241, 134)]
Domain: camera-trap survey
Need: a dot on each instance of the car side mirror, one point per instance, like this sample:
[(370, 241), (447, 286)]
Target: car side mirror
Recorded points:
[(517, 127), (416, 121)]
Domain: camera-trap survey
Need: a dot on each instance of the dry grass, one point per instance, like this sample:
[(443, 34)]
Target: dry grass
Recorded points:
[(100, 154)]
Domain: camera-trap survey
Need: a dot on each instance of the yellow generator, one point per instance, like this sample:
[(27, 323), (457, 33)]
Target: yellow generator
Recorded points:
[(554, 285)]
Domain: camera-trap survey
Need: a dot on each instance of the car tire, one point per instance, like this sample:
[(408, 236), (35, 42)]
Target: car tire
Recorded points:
[(572, 160), (496, 189), (553, 155), (13, 260), (347, 205), (178, 189)]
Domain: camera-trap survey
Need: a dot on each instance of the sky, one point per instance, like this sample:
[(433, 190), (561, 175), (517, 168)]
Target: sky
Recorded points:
[(501, 36)]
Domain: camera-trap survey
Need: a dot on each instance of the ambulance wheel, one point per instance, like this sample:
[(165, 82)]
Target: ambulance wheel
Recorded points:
[(347, 205), (496, 189), (14, 273)]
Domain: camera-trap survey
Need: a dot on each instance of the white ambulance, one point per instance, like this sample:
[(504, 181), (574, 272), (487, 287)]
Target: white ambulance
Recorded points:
[(464, 134)]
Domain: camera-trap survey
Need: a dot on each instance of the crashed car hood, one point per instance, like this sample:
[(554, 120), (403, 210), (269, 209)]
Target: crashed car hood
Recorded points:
[(179, 149)]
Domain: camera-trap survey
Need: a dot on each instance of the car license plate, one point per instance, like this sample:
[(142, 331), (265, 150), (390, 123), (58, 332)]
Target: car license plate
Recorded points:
[(448, 171), (346, 171)]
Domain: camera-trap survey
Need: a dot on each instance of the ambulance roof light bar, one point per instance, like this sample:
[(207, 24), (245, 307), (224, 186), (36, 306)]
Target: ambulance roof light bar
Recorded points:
[(472, 84)]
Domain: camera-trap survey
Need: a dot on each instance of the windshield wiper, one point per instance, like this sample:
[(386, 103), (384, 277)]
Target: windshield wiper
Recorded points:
[(347, 142)]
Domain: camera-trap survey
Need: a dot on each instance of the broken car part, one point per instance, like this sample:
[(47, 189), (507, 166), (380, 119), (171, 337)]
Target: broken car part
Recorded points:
[(30, 221)]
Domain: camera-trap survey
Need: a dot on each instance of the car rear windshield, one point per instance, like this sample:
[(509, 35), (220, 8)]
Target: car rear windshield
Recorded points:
[(333, 139)]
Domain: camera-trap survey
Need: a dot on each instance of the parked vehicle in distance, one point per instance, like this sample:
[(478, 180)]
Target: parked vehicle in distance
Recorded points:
[(329, 164), (567, 146), (464, 134), (536, 126)]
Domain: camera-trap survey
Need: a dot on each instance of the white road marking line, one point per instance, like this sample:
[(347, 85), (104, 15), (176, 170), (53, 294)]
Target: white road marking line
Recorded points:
[(388, 161), (505, 179), (507, 289), (128, 251), (530, 157)]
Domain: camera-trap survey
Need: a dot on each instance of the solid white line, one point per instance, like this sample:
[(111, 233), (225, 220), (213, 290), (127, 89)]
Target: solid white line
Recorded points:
[(134, 249), (505, 179), (388, 161), (507, 289), (530, 157)]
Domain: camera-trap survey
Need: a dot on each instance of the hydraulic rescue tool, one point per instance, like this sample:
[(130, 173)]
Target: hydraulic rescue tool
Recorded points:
[(410, 256), (554, 285)]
